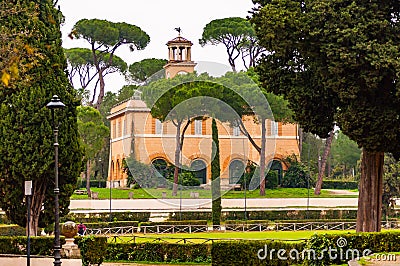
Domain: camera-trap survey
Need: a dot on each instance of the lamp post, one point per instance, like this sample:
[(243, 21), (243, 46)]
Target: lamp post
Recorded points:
[(28, 194), (101, 177), (54, 104)]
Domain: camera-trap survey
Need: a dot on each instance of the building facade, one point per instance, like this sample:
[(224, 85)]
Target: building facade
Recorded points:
[(135, 131)]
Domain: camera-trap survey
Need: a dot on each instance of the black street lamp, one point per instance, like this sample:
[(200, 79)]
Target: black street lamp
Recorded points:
[(54, 104)]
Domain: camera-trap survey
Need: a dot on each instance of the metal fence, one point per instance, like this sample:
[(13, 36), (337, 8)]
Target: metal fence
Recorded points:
[(249, 227)]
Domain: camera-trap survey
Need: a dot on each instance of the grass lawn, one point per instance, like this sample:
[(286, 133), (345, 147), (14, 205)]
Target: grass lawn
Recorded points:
[(117, 193), (203, 237)]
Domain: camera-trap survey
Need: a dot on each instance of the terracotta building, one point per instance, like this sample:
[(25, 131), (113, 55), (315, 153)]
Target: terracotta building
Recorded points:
[(133, 128)]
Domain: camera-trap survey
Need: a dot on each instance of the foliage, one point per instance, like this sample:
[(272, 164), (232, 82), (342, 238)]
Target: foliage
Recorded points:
[(238, 36), (12, 230), (93, 217), (17, 245), (92, 249), (296, 175), (336, 62), (215, 176), (18, 54), (27, 150), (246, 252), (104, 38), (159, 252), (252, 178), (375, 242), (339, 184), (345, 153), (81, 62), (391, 183), (91, 130), (139, 173), (112, 224), (140, 71)]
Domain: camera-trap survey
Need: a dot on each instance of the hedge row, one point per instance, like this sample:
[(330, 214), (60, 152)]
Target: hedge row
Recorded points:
[(187, 222), (93, 183), (112, 224), (339, 184), (253, 253), (159, 252), (40, 245), (105, 217), (12, 230)]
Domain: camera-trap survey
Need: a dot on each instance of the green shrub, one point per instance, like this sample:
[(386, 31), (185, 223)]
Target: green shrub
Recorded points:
[(92, 249), (17, 245), (186, 222), (175, 216), (105, 217), (362, 242), (159, 252), (112, 224), (296, 176), (246, 252), (339, 184), (12, 230), (93, 183)]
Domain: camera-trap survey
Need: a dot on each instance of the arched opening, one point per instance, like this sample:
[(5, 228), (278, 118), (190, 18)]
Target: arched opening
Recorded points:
[(236, 170), (277, 166), (199, 168), (161, 167)]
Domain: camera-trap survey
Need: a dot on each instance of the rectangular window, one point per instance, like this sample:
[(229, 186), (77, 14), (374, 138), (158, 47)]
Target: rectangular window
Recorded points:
[(236, 131), (198, 126), (159, 127), (124, 127), (118, 129), (274, 128)]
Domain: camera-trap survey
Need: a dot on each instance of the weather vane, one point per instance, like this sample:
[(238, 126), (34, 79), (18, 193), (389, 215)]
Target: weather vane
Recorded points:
[(179, 30)]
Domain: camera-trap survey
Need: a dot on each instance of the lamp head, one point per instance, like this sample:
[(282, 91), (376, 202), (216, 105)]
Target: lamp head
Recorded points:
[(55, 103)]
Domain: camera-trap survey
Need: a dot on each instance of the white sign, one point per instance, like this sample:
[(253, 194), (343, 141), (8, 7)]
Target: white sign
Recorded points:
[(28, 188)]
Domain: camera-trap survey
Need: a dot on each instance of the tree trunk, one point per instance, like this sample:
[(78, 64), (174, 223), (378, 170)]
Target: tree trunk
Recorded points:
[(321, 172), (369, 212), (262, 159), (88, 178), (215, 178), (37, 198), (177, 158), (101, 91), (300, 135)]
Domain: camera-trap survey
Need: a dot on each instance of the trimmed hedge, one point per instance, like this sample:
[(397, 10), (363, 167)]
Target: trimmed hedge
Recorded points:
[(12, 230), (247, 252), (271, 215), (93, 183), (112, 224), (339, 184), (375, 242), (159, 252), (92, 249), (40, 245), (187, 222), (105, 217)]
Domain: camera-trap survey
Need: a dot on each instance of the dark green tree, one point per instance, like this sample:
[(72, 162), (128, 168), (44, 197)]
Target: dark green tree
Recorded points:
[(345, 153), (26, 148), (104, 38), (336, 61), (215, 177), (391, 184), (140, 71)]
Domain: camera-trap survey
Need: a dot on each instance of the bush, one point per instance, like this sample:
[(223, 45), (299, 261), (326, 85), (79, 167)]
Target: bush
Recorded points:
[(246, 252), (12, 230), (175, 216), (93, 183), (105, 217), (375, 242), (186, 222), (253, 179), (92, 249), (40, 245), (159, 252), (339, 184), (112, 224), (296, 176)]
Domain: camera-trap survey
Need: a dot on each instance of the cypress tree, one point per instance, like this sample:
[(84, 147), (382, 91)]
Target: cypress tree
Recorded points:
[(26, 127), (215, 178)]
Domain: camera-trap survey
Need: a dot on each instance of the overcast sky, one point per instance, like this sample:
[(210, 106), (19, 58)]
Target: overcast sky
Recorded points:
[(157, 18)]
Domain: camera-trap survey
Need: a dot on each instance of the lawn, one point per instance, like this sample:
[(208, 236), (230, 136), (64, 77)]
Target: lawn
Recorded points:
[(205, 237), (117, 193)]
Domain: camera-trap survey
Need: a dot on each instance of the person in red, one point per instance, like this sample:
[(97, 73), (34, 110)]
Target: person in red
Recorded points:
[(81, 229)]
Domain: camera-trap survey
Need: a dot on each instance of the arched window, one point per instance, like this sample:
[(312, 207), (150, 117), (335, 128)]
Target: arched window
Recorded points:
[(161, 166), (277, 166), (236, 170), (199, 168)]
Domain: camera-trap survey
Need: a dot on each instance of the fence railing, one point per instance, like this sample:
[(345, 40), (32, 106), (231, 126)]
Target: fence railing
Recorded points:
[(249, 227)]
